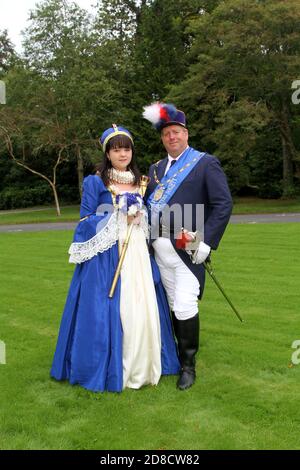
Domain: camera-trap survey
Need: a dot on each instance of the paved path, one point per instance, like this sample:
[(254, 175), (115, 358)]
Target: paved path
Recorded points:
[(235, 219), (38, 227), (265, 218)]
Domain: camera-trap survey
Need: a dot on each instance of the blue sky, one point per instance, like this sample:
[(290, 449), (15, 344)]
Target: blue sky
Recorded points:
[(14, 14)]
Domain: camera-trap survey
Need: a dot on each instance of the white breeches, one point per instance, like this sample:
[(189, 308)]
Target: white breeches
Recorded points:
[(181, 285)]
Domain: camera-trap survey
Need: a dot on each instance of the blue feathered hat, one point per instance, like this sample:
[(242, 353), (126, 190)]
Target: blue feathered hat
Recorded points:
[(112, 132), (164, 114)]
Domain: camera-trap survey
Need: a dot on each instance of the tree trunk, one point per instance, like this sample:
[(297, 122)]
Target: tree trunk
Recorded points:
[(9, 147), (58, 213), (79, 169), (288, 152), (53, 185)]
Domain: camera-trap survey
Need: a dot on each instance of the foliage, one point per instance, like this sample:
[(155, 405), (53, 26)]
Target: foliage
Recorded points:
[(228, 65), (244, 58), (7, 53), (61, 47), (39, 195), (12, 198)]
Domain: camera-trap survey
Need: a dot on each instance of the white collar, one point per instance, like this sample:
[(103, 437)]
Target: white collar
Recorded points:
[(171, 159)]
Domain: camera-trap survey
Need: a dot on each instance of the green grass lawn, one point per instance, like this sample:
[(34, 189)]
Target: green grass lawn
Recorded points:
[(71, 213), (249, 205), (39, 215), (246, 395)]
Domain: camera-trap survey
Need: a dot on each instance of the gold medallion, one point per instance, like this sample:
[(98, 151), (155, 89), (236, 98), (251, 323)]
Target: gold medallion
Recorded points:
[(158, 194)]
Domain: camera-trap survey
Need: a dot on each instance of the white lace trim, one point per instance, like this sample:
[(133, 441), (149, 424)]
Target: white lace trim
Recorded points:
[(144, 224), (102, 241), (115, 228)]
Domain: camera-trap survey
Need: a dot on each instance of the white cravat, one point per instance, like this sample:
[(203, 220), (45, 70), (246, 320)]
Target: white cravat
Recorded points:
[(171, 159)]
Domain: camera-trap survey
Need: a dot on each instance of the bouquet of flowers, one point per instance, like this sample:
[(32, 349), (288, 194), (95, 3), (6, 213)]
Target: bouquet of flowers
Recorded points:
[(129, 203)]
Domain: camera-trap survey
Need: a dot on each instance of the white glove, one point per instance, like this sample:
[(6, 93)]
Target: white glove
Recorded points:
[(201, 253)]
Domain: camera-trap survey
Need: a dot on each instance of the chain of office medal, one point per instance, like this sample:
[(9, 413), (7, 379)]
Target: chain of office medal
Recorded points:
[(179, 171), (161, 187)]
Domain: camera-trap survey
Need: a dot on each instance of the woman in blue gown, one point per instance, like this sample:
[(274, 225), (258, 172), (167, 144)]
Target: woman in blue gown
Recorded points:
[(107, 344)]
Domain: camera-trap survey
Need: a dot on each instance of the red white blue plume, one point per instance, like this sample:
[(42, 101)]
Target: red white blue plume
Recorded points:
[(160, 114)]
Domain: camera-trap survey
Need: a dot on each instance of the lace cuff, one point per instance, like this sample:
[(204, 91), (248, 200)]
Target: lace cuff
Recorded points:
[(102, 241)]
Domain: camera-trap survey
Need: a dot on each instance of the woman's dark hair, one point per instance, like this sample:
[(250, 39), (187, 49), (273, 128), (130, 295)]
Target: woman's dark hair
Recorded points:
[(119, 141)]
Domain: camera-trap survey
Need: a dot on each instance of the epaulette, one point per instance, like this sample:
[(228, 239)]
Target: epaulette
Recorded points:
[(156, 164)]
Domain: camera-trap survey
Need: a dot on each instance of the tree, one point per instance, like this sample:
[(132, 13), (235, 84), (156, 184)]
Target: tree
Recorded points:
[(147, 48), (27, 132), (159, 60), (16, 142), (7, 52), (60, 47), (245, 52)]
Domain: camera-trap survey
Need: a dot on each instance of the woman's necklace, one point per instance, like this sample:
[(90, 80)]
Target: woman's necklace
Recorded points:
[(122, 177)]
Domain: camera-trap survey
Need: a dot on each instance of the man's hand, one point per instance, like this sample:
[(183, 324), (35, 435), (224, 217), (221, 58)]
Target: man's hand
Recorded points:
[(201, 253)]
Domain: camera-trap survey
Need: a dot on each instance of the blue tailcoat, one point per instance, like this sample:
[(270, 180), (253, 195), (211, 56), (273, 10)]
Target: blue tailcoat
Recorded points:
[(206, 184)]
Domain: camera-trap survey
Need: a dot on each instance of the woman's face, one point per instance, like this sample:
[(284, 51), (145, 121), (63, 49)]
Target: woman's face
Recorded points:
[(120, 157)]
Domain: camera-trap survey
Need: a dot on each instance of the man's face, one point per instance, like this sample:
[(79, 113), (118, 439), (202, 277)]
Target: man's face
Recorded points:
[(175, 139)]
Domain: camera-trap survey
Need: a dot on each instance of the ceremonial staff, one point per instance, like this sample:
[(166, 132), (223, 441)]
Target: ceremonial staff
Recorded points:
[(144, 181)]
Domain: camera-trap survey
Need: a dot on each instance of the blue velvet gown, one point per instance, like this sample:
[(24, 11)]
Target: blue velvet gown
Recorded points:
[(89, 345)]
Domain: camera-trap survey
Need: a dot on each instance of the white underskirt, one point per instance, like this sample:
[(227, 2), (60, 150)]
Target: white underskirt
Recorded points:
[(139, 316)]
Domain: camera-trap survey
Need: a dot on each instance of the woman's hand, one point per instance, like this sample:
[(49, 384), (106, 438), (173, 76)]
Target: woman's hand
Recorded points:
[(134, 219)]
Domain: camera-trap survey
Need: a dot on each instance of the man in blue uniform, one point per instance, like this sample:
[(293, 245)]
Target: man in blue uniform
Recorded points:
[(193, 182)]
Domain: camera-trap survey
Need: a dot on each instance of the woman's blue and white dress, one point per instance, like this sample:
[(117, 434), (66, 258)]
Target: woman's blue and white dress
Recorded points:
[(127, 341)]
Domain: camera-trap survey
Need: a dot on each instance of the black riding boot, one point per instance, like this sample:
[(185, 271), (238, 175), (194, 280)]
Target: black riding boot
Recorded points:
[(187, 334)]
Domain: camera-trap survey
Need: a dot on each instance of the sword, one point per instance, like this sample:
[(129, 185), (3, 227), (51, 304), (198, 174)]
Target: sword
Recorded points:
[(185, 238), (208, 267)]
